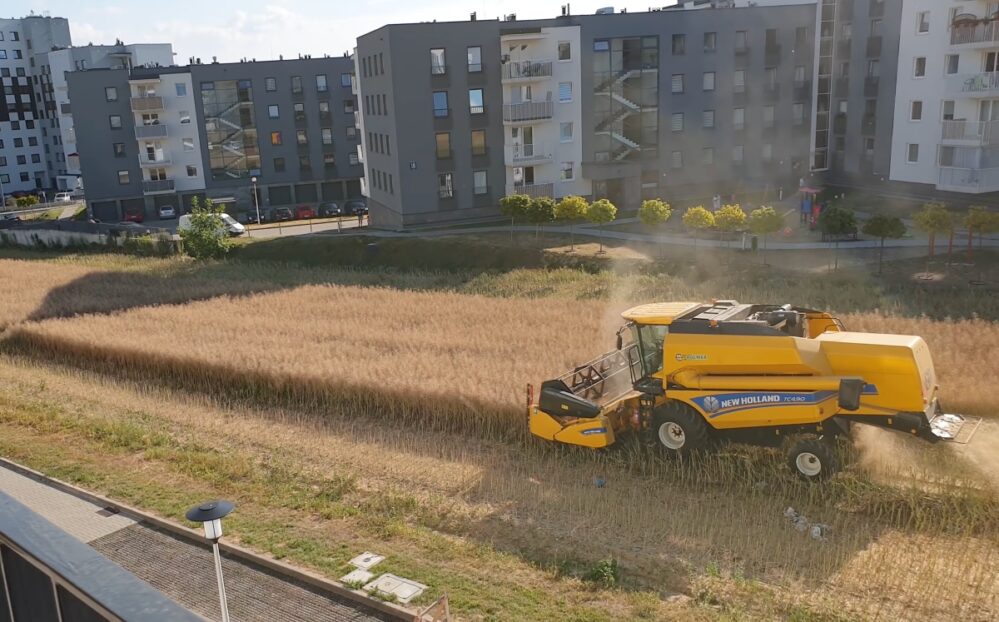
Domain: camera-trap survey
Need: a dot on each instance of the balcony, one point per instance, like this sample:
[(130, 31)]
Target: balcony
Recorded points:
[(527, 70), (971, 133), (871, 84), (519, 155), (146, 103), (157, 186), (528, 111), (873, 47), (160, 160), (974, 84), (974, 180), (975, 35), (150, 131), (533, 190)]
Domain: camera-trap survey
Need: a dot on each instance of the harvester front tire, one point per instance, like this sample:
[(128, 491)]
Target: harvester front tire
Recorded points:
[(813, 459), (678, 429)]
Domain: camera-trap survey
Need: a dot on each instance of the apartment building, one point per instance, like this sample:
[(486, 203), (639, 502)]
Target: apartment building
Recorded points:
[(947, 98), (704, 98), (155, 136)]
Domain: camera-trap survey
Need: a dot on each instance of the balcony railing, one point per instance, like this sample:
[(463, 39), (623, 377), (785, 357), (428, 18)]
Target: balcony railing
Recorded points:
[(528, 111), (533, 190), (974, 83), (969, 179), (527, 69), (151, 131), (146, 103), (152, 186), (518, 154), (972, 34), (981, 133), (162, 159)]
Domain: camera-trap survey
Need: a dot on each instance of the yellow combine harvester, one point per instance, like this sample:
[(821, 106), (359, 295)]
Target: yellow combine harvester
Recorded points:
[(752, 373)]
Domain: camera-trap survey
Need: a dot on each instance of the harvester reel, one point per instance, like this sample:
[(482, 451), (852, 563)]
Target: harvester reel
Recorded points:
[(590, 380)]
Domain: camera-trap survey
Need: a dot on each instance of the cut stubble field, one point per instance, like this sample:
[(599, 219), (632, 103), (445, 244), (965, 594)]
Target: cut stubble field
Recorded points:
[(394, 418)]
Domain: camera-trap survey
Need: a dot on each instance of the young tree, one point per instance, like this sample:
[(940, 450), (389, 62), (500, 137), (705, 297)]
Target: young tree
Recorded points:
[(933, 219), (27, 201), (570, 209), (207, 237), (698, 219), (655, 213), (884, 227), (601, 212), (836, 221), (540, 212), (765, 220), (515, 207), (730, 218), (979, 220)]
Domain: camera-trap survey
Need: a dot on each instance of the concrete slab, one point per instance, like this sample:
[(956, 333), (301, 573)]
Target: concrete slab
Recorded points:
[(403, 589), (357, 576), (366, 560)]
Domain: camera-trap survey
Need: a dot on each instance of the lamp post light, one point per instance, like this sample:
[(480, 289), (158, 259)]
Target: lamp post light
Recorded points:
[(256, 201), (210, 515)]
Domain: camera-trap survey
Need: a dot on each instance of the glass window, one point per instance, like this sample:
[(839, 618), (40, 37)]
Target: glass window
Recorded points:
[(912, 153), (479, 182), (351, 131), (438, 64), (185, 116), (948, 110), (952, 63), (798, 113), (709, 81), (679, 45), (564, 50), (279, 165), (709, 118), (801, 35), (111, 94), (324, 110), (327, 133), (474, 59), (301, 138), (768, 116), (916, 113), (677, 83), (739, 118), (767, 152), (192, 171), (799, 74), (181, 89), (187, 144), (275, 138), (443, 142), (118, 150), (739, 80), (298, 109), (348, 106), (565, 131), (304, 164), (920, 67), (875, 27), (738, 153), (445, 189), (345, 80), (710, 41), (123, 177), (440, 104), (601, 45), (566, 171), (923, 22), (115, 121), (740, 40), (296, 84), (677, 121), (873, 69), (329, 159), (478, 142), (270, 85), (273, 112), (475, 104), (321, 86), (565, 92)]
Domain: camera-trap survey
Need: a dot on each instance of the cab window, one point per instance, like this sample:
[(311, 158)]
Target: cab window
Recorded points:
[(650, 341)]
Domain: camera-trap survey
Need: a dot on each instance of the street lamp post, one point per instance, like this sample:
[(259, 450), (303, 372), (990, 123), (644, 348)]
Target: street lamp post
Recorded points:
[(3, 198), (210, 515), (256, 201)]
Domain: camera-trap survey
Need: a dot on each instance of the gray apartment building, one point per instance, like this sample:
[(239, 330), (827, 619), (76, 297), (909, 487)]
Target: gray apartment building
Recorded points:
[(154, 136), (670, 103)]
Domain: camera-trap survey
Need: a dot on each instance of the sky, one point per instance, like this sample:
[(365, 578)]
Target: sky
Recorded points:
[(265, 29)]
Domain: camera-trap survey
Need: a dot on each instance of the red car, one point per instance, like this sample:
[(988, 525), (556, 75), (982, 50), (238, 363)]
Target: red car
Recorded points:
[(304, 212), (134, 214)]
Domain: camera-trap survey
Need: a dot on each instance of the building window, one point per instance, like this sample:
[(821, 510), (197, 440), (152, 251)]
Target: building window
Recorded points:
[(115, 122), (3, 55), (770, 39), (798, 113), (279, 165), (327, 134), (676, 160), (709, 118), (875, 27), (677, 121), (952, 63), (799, 75), (4, 179), (710, 41), (474, 59), (440, 104), (800, 36), (478, 142), (185, 116), (24, 176), (301, 138), (192, 171), (111, 94), (187, 144), (270, 85), (181, 91), (709, 81), (304, 164), (738, 118), (677, 83), (767, 152), (480, 182), (679, 45), (768, 116), (922, 22), (443, 142), (873, 68), (738, 153), (351, 131), (118, 149), (296, 84), (708, 155), (438, 63), (948, 110), (345, 80), (565, 131), (18, 142), (275, 138), (739, 81), (324, 111), (36, 158), (123, 178), (564, 92), (912, 153), (565, 171), (564, 50), (445, 189), (916, 113), (920, 67), (475, 102), (321, 86), (348, 106), (329, 160), (740, 41), (22, 159), (273, 112)]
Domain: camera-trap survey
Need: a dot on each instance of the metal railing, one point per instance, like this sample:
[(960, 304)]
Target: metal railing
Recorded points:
[(151, 131), (147, 102), (979, 33), (150, 186), (985, 82), (528, 111), (981, 132), (533, 190), (531, 152), (527, 69), (969, 179), (160, 160)]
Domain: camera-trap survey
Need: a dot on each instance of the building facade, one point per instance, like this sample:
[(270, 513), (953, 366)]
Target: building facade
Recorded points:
[(690, 101), (209, 130)]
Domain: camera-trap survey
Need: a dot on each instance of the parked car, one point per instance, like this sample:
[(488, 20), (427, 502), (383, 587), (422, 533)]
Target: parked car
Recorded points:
[(304, 212), (167, 211), (356, 207), (63, 197), (281, 214), (229, 224), (134, 214), (330, 209)]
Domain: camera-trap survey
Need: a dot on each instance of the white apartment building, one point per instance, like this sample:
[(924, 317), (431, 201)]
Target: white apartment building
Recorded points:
[(946, 130)]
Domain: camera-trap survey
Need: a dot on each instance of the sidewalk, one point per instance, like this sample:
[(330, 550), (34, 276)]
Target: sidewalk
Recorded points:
[(180, 569)]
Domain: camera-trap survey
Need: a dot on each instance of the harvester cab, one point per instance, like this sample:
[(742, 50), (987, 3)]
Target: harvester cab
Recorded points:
[(686, 373)]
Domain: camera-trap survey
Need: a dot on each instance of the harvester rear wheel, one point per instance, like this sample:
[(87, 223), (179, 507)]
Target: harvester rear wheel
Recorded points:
[(813, 459), (679, 429)]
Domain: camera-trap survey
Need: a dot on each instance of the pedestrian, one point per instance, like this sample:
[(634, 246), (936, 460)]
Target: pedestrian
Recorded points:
[(716, 202), (780, 193)]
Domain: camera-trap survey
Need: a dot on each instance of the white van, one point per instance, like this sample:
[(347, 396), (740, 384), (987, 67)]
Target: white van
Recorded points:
[(63, 197), (228, 222)]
